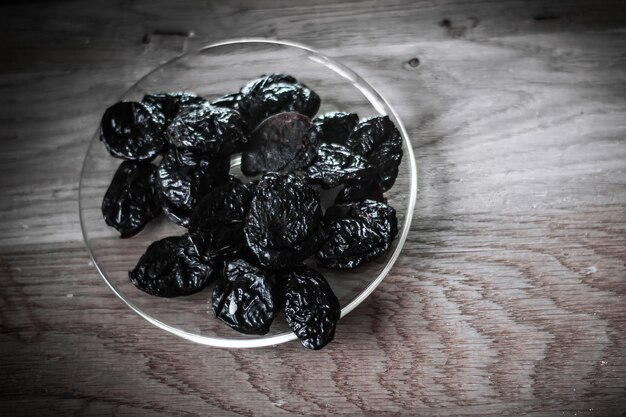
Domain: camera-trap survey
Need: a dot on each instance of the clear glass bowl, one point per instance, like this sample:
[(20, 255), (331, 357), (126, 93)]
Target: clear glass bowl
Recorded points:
[(213, 71)]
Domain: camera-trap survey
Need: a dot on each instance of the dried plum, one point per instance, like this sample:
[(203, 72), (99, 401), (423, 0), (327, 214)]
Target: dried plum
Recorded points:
[(130, 130), (357, 233), (184, 179), (283, 223), (283, 142), (171, 268), (170, 104), (276, 93), (366, 187), (208, 130), (386, 158), (335, 164), (131, 200), (244, 298), (311, 308), (335, 127), (251, 186), (216, 225), (230, 101), (378, 139), (265, 82)]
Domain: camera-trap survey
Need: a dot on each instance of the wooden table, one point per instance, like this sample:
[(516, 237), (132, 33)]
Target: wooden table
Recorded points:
[(509, 297)]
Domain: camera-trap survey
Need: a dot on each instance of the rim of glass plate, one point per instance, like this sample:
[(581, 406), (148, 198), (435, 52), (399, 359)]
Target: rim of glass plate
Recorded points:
[(373, 96)]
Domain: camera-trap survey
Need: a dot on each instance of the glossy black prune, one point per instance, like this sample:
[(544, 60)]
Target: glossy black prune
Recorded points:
[(170, 104), (131, 200), (366, 187), (283, 225), (244, 298), (335, 164), (378, 139), (266, 81), (283, 142), (310, 306), (357, 233), (386, 158), (208, 130), (275, 93), (130, 130), (184, 179), (230, 101), (216, 225), (171, 267), (335, 127), (251, 186)]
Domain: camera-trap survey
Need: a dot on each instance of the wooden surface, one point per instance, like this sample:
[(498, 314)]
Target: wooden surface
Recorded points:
[(509, 297)]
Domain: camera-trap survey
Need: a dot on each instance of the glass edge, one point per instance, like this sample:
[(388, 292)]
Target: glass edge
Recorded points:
[(287, 336)]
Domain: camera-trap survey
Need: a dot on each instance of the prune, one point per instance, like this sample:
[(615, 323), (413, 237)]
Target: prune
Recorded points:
[(230, 101), (209, 130), (283, 223), (130, 130), (170, 104), (171, 268), (244, 298), (276, 93), (265, 82), (311, 308), (367, 187), (285, 141), (357, 233), (251, 186), (378, 139), (216, 225), (131, 200), (185, 178), (335, 127), (335, 164), (386, 158)]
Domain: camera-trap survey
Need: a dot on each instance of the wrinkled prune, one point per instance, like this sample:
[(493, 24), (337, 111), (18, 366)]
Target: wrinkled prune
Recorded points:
[(386, 158), (170, 268), (283, 223), (311, 308), (216, 225), (275, 93), (335, 127), (335, 164), (184, 179), (244, 298), (357, 233), (251, 186), (367, 187), (378, 139), (208, 130), (170, 104), (230, 101), (283, 142), (265, 82), (131, 200), (131, 131)]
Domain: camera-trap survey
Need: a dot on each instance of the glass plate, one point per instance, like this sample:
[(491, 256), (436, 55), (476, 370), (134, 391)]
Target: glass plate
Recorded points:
[(213, 71)]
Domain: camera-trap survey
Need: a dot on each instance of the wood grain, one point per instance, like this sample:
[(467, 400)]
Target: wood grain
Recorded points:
[(509, 297)]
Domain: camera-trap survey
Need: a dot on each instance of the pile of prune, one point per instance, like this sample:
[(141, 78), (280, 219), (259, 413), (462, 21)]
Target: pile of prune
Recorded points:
[(255, 238)]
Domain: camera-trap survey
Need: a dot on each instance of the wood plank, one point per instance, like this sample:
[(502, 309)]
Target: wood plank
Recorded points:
[(508, 297)]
